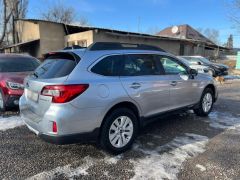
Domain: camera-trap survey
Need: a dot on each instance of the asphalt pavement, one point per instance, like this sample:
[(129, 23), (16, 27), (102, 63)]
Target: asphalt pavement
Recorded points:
[(180, 146)]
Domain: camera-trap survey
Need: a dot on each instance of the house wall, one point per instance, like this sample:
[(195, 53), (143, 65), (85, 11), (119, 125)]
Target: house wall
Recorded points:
[(170, 46), (27, 31), (51, 37), (82, 38)]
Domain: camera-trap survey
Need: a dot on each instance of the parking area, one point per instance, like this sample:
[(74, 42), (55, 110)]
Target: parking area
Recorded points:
[(180, 146)]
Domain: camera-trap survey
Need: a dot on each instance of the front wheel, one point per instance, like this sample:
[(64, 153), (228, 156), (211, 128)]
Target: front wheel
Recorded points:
[(206, 103), (119, 131)]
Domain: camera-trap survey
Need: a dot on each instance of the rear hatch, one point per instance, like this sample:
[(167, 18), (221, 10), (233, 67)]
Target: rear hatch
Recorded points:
[(53, 71)]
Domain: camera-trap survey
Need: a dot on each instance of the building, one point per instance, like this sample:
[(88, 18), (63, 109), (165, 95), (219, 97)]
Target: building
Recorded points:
[(37, 37), (194, 43)]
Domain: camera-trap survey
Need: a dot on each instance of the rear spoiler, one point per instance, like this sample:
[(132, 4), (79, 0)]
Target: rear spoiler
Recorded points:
[(62, 55)]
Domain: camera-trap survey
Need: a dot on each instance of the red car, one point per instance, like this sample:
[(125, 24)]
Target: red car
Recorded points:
[(13, 69)]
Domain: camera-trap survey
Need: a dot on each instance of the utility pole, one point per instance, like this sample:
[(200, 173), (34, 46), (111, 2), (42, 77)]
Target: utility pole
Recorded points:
[(139, 21)]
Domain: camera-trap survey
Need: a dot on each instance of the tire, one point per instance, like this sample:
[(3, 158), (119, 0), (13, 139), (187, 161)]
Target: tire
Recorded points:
[(121, 125), (206, 103), (2, 102)]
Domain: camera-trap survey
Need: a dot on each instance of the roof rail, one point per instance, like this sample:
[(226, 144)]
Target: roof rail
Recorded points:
[(121, 46)]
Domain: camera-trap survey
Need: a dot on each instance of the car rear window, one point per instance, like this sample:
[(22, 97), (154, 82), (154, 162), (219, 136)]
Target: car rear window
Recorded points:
[(18, 64), (56, 66)]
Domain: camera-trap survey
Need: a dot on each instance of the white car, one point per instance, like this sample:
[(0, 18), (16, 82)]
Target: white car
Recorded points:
[(195, 65)]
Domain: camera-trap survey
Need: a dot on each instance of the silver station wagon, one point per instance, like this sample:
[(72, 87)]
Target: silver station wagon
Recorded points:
[(108, 91)]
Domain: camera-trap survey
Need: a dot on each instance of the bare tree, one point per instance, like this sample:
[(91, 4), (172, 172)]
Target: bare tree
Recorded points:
[(211, 34), (19, 10), (5, 19), (63, 14), (234, 12), (60, 13), (11, 10)]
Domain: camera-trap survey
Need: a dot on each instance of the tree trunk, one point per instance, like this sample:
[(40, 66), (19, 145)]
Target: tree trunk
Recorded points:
[(5, 21)]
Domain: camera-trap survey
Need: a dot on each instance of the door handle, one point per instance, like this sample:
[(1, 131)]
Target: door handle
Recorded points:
[(135, 85), (173, 83)]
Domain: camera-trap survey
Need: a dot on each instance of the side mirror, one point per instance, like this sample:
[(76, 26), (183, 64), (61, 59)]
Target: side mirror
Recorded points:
[(193, 72)]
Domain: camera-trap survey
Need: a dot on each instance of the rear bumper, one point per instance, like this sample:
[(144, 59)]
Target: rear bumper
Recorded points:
[(74, 125), (71, 138)]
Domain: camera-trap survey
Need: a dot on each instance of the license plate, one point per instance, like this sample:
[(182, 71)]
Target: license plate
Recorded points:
[(32, 95)]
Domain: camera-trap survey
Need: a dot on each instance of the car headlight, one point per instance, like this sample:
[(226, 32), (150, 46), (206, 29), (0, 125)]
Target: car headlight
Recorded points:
[(14, 85)]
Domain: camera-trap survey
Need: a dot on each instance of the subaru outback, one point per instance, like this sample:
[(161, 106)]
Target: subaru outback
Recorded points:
[(108, 91)]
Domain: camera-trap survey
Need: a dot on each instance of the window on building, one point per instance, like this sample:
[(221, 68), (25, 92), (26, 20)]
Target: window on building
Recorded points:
[(82, 43), (70, 43)]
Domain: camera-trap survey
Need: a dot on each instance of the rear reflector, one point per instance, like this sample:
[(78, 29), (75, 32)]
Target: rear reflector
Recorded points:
[(54, 127), (64, 93)]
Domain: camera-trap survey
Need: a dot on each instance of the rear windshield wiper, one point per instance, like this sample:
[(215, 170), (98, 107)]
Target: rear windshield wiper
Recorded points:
[(35, 74)]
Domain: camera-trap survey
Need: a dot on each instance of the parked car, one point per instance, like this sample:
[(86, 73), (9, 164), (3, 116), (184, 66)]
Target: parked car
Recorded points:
[(196, 66), (13, 69), (108, 91), (215, 69)]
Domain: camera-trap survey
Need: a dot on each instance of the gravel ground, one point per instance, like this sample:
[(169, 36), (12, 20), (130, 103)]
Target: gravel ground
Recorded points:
[(176, 147)]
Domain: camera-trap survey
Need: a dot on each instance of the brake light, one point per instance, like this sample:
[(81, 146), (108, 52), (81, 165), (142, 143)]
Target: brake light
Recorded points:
[(54, 127), (64, 93)]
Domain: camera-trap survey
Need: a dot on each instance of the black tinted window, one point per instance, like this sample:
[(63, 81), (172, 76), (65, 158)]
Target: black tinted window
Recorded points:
[(109, 66), (140, 64), (55, 68), (18, 64)]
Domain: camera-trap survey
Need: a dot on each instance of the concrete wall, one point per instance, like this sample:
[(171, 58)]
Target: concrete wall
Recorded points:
[(51, 37), (170, 46), (27, 31), (82, 36)]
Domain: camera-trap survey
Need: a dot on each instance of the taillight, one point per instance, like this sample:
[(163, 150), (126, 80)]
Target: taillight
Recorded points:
[(54, 127), (64, 93)]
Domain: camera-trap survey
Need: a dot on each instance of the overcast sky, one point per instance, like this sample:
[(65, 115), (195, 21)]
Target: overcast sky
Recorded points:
[(149, 15)]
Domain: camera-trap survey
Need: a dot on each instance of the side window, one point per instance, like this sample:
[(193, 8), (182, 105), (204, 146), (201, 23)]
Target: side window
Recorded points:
[(140, 65), (172, 66), (109, 66)]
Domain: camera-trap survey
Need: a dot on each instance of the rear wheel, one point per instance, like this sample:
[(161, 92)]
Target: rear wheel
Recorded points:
[(2, 103), (119, 131), (206, 103)]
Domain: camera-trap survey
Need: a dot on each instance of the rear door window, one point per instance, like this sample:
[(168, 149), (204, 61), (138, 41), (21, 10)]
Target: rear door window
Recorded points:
[(108, 66), (140, 65), (55, 67)]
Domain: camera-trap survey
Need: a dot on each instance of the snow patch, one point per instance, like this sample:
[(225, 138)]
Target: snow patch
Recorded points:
[(201, 167), (68, 171), (164, 162), (10, 122), (113, 160), (220, 120)]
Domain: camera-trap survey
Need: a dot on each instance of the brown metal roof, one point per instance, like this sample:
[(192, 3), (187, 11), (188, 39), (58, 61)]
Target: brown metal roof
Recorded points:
[(185, 32)]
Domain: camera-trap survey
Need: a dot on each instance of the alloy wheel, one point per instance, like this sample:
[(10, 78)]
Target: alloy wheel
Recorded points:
[(121, 131), (207, 102)]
